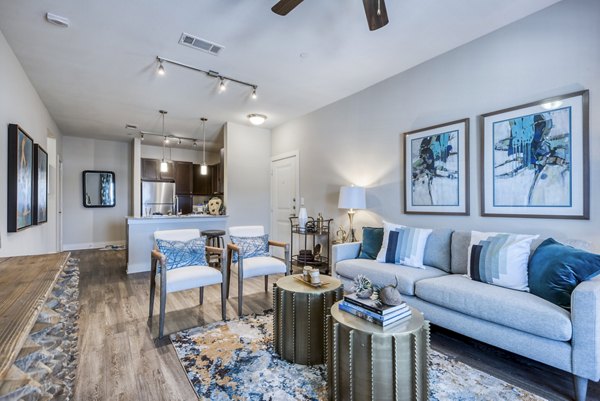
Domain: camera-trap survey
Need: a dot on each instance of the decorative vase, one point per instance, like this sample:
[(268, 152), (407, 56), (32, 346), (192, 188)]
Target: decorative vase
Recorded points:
[(302, 219)]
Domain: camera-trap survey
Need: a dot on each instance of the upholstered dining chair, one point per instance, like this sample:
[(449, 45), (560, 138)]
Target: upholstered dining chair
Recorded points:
[(249, 252), (182, 264)]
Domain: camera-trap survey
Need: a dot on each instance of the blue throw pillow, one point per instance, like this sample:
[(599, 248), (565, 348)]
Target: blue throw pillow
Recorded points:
[(183, 253), (372, 239), (556, 269), (251, 247)]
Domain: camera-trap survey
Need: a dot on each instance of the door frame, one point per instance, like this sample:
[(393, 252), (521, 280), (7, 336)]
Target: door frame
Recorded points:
[(282, 156)]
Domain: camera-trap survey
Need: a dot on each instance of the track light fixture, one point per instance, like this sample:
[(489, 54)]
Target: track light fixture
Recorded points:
[(141, 137), (210, 73)]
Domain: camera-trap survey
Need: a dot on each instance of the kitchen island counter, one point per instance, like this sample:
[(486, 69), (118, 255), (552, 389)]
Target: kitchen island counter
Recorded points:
[(140, 234)]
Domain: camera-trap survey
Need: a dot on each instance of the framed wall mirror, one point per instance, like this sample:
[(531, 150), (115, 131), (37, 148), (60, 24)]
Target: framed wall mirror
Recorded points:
[(99, 188)]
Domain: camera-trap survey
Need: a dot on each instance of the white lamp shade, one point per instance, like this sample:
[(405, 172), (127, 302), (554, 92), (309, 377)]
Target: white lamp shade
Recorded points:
[(352, 198)]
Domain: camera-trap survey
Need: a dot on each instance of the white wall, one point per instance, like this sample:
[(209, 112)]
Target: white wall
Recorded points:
[(359, 139), (20, 104), (247, 175), (95, 227)]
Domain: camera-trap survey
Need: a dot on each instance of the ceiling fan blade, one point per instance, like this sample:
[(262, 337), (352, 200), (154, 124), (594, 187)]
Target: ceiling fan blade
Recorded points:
[(376, 13), (285, 6)]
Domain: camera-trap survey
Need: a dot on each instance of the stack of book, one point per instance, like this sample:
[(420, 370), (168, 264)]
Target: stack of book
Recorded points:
[(374, 311)]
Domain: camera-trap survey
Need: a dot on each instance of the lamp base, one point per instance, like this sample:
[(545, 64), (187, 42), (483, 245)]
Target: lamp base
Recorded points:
[(351, 236)]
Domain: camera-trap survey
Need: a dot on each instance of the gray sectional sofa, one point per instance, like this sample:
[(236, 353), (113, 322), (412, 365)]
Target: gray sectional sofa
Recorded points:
[(516, 321)]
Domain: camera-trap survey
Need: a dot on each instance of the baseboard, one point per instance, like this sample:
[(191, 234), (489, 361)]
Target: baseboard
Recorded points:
[(91, 245)]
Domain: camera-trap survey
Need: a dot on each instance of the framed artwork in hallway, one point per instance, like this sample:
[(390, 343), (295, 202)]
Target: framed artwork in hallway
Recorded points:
[(20, 179), (436, 169), (535, 159), (40, 181)]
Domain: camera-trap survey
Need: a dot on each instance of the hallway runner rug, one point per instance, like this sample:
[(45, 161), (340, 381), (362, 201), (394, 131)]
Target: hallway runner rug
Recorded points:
[(235, 360)]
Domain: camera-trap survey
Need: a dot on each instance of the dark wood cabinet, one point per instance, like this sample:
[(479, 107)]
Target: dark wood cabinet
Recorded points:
[(185, 203), (202, 183), (183, 178), (151, 171)]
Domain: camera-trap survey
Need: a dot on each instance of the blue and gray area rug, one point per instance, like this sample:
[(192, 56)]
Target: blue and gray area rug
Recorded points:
[(234, 360)]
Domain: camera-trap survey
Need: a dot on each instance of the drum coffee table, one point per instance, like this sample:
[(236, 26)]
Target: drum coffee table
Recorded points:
[(367, 362), (300, 313)]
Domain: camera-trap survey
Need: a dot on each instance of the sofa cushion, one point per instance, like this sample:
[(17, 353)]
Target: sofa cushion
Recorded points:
[(371, 242), (382, 274), (459, 251), (437, 249), (516, 309)]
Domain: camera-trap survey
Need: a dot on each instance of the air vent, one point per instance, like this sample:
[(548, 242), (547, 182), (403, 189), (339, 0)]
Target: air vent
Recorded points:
[(200, 44), (131, 126)]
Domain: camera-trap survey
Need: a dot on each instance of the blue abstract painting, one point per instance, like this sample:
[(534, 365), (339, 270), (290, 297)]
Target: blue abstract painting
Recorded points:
[(435, 170), (532, 160)]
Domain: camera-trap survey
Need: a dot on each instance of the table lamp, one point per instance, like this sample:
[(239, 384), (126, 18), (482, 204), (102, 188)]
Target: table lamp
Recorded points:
[(352, 198)]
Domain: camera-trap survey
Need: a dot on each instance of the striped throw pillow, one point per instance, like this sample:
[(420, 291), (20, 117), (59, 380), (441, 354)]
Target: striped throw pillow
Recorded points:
[(406, 246), (500, 259)]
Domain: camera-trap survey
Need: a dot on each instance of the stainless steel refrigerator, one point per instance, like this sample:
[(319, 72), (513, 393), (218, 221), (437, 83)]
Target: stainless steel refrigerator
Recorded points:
[(158, 198)]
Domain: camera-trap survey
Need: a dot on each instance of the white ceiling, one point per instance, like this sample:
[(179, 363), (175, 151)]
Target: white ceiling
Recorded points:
[(100, 73)]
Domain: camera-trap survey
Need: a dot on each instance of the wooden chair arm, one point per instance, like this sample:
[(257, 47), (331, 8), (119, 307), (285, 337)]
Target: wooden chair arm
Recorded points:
[(233, 247), (277, 243), (159, 256)]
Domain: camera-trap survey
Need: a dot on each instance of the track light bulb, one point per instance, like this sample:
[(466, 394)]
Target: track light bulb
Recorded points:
[(194, 144), (203, 169), (166, 140), (141, 137), (222, 86), (179, 141), (254, 96), (164, 167), (161, 69)]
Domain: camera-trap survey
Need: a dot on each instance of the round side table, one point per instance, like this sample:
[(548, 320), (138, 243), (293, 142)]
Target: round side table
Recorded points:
[(368, 362), (300, 318)]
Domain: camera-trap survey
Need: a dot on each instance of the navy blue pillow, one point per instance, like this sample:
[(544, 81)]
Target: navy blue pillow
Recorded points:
[(371, 242), (556, 269)]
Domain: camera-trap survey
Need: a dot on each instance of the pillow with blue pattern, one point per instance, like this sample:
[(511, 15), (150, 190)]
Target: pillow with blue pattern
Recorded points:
[(251, 247), (183, 253)]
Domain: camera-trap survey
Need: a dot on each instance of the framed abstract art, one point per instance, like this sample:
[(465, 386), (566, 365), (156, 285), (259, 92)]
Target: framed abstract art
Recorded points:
[(20, 179), (436, 169), (40, 185), (535, 159)]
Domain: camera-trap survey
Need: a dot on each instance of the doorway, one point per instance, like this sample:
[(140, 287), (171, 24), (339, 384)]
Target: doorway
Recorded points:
[(285, 190)]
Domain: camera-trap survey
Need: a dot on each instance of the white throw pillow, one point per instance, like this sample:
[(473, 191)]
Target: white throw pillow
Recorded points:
[(500, 259), (386, 235)]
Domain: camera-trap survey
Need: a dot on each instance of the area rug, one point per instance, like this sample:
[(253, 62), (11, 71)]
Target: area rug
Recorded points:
[(234, 360)]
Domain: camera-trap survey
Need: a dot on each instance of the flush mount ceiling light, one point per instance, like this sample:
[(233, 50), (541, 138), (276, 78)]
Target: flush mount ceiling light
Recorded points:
[(210, 73), (257, 119)]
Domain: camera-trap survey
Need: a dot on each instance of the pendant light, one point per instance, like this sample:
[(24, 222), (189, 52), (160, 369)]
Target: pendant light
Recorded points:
[(164, 167), (203, 167)]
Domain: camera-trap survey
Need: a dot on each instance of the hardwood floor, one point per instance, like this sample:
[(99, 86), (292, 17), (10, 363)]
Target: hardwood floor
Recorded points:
[(120, 360)]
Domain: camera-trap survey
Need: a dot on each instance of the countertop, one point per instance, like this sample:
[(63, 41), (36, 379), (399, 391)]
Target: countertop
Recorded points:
[(186, 217)]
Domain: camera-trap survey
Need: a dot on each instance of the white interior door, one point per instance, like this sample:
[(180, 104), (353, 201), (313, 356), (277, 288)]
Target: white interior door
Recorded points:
[(285, 189)]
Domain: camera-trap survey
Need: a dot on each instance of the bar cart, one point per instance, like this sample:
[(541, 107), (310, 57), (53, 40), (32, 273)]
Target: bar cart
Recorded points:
[(317, 256)]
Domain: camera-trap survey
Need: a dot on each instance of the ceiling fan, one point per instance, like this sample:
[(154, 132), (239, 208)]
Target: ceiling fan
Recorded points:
[(374, 9)]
